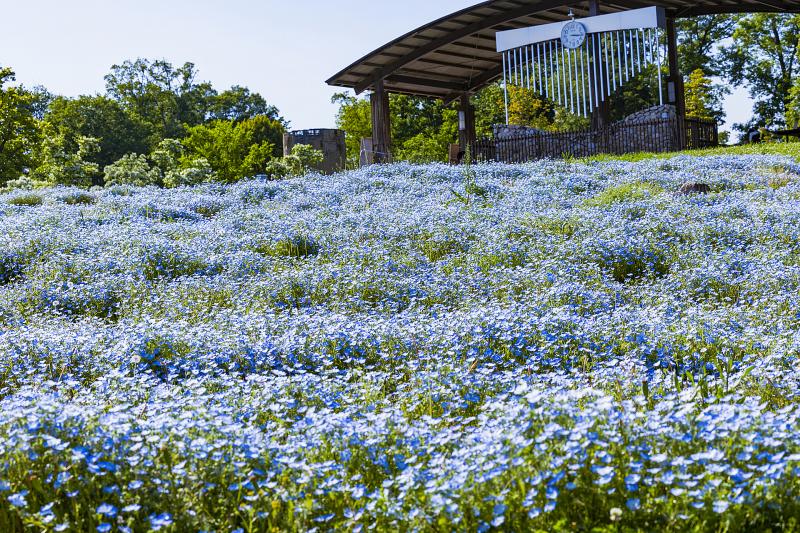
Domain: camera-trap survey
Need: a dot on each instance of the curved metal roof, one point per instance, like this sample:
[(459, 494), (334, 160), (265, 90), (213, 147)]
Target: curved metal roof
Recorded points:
[(457, 53)]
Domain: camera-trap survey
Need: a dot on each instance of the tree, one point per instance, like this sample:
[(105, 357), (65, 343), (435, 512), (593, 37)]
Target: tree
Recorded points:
[(42, 98), (354, 117), (61, 163), (490, 110), (303, 158), (236, 149), (422, 128), (528, 108), (238, 103), (132, 169), (764, 57), (793, 111), (19, 129), (192, 172), (162, 96), (698, 40), (703, 97), (118, 131)]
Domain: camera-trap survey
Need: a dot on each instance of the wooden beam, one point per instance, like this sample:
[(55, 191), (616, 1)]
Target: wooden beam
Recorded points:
[(453, 36), (381, 125), (425, 82), (675, 80), (466, 123), (695, 11), (777, 6)]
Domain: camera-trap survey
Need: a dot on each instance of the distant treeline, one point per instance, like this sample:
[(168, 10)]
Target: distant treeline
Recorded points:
[(155, 125), (158, 124)]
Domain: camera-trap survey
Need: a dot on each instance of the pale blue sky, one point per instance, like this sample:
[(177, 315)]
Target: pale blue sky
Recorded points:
[(285, 50)]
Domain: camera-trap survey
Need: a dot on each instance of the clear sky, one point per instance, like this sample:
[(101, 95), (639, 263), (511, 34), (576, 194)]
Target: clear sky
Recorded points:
[(283, 49)]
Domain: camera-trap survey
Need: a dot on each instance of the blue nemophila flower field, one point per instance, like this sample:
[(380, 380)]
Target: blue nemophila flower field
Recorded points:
[(574, 348)]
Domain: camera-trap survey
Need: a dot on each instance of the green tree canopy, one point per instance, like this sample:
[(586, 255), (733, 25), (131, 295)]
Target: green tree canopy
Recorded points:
[(764, 57), (239, 103), (698, 42), (354, 117), (236, 149), (63, 162), (19, 129), (703, 97), (166, 98), (118, 131)]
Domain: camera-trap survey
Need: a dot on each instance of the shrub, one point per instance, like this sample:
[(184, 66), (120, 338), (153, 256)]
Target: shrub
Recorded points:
[(308, 156), (164, 263), (23, 183), (10, 268), (435, 249), (79, 299), (625, 193), (208, 209), (297, 246), (630, 263), (61, 165), (302, 159), (277, 169), (79, 198), (28, 200), (132, 169), (198, 171)]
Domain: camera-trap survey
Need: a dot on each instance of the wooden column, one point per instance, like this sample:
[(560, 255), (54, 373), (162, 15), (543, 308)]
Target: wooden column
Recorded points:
[(675, 90), (381, 125), (602, 114), (466, 123)]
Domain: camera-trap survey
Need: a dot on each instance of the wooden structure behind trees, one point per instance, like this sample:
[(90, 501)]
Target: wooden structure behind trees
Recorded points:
[(455, 56)]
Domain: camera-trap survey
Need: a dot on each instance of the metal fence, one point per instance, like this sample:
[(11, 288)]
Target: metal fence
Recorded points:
[(664, 135)]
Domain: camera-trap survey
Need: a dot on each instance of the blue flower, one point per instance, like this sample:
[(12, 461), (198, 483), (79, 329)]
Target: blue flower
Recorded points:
[(157, 521), (106, 509), (720, 506), (18, 499), (634, 504)]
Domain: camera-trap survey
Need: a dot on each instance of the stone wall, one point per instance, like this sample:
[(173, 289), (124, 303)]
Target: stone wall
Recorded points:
[(329, 141), (651, 130)]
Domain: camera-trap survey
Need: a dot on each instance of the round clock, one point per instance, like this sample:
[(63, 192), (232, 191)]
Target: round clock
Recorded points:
[(573, 34)]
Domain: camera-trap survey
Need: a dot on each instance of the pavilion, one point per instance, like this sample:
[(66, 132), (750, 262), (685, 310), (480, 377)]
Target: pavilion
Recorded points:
[(455, 56)]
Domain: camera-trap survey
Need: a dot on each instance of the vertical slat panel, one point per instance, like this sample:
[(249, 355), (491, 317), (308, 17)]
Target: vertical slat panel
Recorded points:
[(505, 83)]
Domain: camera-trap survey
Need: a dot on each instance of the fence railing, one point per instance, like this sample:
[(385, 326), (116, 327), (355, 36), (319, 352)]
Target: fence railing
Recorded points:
[(700, 133), (665, 135)]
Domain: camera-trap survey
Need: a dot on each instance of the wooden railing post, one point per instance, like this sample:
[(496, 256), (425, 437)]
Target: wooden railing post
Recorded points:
[(381, 125), (675, 91)]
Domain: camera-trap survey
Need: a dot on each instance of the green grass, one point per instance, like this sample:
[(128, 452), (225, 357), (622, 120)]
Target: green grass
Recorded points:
[(625, 192), (791, 149), (27, 200), (298, 247), (79, 198)]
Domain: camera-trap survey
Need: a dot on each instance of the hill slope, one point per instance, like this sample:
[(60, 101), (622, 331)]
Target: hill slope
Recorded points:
[(553, 346)]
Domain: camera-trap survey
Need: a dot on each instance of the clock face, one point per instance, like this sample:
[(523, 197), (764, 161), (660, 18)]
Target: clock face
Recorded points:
[(573, 34)]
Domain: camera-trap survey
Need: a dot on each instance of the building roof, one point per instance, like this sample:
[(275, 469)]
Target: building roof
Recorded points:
[(457, 53)]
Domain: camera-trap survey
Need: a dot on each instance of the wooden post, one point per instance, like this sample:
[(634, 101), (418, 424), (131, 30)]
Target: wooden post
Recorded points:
[(675, 88), (381, 125), (466, 123), (602, 114)]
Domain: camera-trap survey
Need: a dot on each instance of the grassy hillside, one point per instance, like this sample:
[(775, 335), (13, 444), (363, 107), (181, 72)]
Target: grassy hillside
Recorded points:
[(554, 346), (790, 149)]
